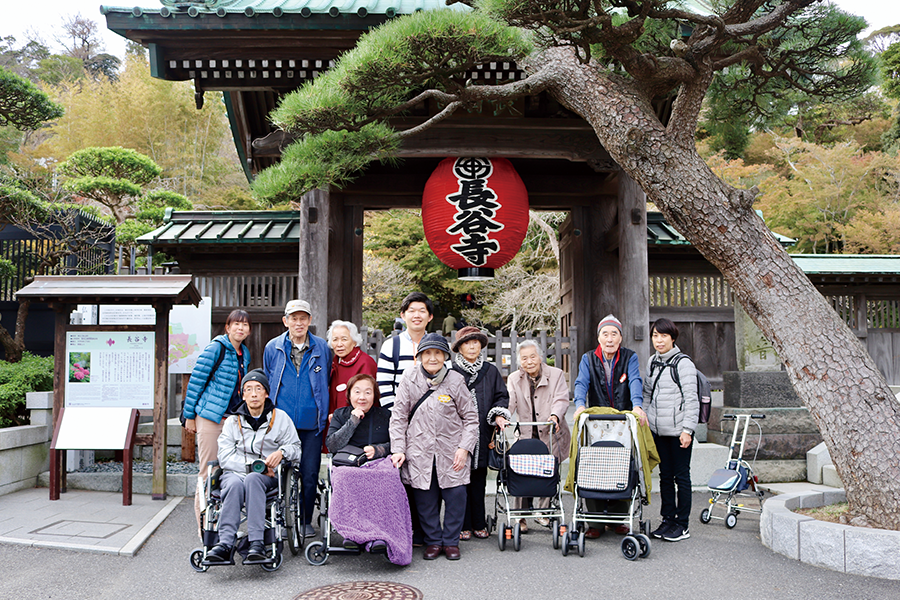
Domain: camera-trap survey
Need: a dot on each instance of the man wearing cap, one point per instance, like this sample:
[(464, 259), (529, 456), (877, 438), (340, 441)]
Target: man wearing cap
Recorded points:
[(609, 376), (298, 364), (256, 432)]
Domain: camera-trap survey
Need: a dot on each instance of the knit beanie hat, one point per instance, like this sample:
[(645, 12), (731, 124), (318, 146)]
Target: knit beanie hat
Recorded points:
[(609, 320), (256, 375)]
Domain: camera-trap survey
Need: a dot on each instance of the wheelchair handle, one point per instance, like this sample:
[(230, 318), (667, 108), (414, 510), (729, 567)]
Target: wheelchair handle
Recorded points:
[(607, 417)]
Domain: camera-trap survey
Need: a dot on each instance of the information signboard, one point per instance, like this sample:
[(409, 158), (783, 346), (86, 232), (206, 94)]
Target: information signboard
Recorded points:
[(110, 369)]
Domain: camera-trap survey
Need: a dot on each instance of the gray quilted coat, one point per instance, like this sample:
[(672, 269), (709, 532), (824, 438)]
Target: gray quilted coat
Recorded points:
[(670, 411)]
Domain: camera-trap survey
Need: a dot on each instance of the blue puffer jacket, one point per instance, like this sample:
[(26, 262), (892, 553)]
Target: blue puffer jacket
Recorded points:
[(276, 356), (215, 398)]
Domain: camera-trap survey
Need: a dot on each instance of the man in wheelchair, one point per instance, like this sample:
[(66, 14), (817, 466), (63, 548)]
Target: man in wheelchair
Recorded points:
[(252, 445)]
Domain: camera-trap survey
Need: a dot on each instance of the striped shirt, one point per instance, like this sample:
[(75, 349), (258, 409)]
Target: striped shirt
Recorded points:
[(390, 370)]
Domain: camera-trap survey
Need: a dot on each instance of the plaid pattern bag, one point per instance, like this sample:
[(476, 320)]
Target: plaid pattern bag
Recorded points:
[(603, 468), (533, 465)]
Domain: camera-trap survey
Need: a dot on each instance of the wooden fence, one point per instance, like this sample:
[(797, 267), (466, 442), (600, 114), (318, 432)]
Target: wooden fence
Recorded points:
[(558, 350)]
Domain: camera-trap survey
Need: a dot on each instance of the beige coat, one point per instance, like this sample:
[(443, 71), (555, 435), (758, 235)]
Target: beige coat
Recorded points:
[(551, 397), (446, 421)]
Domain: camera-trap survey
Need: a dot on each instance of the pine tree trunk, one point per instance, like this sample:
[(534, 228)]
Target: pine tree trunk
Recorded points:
[(830, 370)]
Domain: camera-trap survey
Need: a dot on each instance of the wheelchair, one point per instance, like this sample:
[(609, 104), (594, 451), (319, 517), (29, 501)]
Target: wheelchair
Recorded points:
[(281, 520)]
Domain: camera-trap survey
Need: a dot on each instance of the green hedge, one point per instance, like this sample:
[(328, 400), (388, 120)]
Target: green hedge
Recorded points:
[(32, 374)]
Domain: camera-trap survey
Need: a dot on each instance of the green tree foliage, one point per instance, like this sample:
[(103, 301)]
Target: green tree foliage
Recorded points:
[(824, 191), (111, 177), (151, 209), (156, 118), (22, 105), (59, 69), (398, 235), (31, 374)]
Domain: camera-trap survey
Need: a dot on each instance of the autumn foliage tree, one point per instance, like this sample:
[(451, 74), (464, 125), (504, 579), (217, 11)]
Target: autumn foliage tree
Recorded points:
[(593, 57)]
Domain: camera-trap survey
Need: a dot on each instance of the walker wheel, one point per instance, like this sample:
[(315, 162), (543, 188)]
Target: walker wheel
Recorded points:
[(581, 544), (274, 565), (197, 560), (565, 543), (489, 524), (705, 516), (316, 553), (644, 541), (501, 536), (731, 520), (556, 534), (517, 537), (630, 548)]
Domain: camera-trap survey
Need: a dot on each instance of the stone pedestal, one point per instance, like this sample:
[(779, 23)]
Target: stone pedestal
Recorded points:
[(763, 389)]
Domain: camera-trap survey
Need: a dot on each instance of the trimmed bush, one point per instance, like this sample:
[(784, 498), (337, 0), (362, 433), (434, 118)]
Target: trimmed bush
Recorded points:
[(32, 374)]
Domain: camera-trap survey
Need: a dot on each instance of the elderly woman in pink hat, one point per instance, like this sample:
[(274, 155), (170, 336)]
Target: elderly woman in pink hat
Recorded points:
[(491, 399)]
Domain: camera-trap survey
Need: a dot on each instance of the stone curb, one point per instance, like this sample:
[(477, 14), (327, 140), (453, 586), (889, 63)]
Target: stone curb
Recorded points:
[(844, 548)]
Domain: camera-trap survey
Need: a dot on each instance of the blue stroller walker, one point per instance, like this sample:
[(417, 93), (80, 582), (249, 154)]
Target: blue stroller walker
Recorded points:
[(736, 481)]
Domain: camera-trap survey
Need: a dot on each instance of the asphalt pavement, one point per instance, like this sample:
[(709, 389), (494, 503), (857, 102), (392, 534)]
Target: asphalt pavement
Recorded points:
[(714, 562)]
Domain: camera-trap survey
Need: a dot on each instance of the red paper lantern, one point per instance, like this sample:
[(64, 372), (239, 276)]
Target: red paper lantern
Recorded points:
[(475, 213)]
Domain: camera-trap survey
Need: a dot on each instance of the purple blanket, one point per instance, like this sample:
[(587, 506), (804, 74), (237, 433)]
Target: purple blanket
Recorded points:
[(369, 503)]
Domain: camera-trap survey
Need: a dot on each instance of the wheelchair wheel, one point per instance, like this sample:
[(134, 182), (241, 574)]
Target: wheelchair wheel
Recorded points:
[(630, 548), (275, 565), (644, 542), (316, 553), (295, 541), (705, 516), (197, 559)]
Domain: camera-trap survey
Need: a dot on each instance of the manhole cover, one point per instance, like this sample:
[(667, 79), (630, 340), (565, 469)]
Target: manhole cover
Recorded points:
[(363, 590)]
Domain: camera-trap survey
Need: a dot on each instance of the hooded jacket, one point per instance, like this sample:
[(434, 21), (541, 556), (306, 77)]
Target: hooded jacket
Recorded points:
[(209, 393), (245, 439), (670, 410), (445, 421)]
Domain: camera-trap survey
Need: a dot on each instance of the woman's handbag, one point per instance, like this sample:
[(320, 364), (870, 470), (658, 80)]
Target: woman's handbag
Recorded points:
[(350, 456), (497, 450)]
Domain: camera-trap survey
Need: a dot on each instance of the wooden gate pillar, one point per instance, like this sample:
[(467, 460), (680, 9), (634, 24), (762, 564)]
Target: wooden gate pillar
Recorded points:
[(313, 269), (634, 281)]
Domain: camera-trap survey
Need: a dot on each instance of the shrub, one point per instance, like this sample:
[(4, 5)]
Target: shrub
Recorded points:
[(31, 374)]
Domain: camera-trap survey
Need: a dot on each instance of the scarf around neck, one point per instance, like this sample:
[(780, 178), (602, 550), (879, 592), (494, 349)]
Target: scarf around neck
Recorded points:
[(436, 379), (471, 368)]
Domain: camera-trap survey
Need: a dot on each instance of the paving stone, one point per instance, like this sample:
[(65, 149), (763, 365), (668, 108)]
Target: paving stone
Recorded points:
[(786, 532), (875, 553), (822, 544)]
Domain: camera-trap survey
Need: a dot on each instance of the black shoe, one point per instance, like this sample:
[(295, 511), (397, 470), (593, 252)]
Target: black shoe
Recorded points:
[(257, 552), (663, 528), (220, 553), (378, 547), (676, 533)]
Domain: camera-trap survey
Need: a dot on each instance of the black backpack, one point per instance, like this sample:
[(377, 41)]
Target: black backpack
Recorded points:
[(704, 390)]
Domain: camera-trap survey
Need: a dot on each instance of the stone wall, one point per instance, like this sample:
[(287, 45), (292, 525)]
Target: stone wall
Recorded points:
[(25, 450)]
